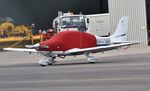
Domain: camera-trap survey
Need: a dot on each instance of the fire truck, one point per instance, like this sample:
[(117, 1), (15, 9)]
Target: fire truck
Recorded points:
[(98, 24), (70, 21)]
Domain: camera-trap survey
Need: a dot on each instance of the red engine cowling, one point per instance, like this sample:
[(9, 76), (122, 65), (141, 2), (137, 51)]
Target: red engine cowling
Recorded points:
[(69, 39)]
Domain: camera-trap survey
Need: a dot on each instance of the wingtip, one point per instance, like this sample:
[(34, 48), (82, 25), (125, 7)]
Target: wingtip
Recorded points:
[(1, 49)]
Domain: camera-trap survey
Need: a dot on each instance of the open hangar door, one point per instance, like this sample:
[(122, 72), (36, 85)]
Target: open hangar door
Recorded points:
[(148, 19)]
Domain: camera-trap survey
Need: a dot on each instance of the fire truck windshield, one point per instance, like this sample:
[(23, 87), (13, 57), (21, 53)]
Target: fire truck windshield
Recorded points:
[(73, 22)]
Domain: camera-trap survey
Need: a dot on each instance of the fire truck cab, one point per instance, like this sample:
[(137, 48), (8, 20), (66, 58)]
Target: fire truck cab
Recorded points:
[(69, 21)]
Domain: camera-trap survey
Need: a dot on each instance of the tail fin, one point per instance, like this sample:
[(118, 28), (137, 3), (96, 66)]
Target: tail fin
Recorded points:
[(120, 34)]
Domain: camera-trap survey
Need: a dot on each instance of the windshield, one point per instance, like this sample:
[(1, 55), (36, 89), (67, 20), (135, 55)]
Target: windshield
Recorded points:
[(73, 22)]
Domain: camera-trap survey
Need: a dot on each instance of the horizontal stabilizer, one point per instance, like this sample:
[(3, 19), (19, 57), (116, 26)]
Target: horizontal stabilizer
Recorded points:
[(119, 42)]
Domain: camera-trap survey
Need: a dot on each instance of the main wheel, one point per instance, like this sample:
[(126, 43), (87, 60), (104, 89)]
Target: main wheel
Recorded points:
[(92, 59), (92, 62), (51, 62), (42, 65)]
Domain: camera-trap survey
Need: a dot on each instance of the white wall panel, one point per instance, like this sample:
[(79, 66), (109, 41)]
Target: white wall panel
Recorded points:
[(136, 10)]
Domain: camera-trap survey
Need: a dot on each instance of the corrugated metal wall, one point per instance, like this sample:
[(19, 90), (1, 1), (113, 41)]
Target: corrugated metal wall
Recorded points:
[(136, 10)]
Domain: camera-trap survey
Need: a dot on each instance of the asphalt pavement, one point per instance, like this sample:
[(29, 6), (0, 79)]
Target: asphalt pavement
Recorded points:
[(115, 71)]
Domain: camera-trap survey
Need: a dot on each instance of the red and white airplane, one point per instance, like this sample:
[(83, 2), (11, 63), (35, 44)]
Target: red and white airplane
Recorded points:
[(69, 43)]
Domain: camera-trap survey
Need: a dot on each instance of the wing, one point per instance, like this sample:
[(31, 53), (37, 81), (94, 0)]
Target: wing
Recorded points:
[(77, 51), (19, 49), (98, 49)]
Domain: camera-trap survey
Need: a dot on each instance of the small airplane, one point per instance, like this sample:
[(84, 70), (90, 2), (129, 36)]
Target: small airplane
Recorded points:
[(72, 43)]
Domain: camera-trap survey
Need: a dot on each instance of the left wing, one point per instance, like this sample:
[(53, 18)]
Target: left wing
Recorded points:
[(20, 50), (98, 49)]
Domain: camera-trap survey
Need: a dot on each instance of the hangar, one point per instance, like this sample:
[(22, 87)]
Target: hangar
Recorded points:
[(139, 17)]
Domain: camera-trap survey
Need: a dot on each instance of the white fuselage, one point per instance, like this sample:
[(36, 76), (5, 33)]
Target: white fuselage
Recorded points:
[(102, 41)]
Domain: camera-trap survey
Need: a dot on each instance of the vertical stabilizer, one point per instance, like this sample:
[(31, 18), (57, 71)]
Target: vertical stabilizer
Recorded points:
[(120, 34)]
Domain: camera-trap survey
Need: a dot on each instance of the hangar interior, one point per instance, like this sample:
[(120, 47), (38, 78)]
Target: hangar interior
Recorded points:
[(43, 12), (148, 19)]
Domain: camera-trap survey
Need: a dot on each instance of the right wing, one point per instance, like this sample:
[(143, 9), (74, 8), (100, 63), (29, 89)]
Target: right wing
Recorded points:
[(98, 49)]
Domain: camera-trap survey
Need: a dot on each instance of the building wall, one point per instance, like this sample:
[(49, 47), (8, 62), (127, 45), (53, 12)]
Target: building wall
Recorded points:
[(136, 10)]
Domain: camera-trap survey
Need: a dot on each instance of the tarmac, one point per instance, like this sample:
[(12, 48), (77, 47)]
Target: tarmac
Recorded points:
[(117, 70), (12, 57)]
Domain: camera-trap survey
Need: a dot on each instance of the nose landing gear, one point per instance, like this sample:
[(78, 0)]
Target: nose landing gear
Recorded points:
[(45, 61)]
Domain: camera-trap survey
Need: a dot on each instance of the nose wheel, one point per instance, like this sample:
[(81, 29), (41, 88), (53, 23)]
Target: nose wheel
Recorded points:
[(45, 61)]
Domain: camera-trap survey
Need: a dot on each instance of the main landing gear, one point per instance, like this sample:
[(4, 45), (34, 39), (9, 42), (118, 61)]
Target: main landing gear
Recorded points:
[(45, 61), (91, 59)]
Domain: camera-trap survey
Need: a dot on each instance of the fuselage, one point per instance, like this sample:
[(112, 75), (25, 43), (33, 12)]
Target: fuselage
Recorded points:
[(67, 40)]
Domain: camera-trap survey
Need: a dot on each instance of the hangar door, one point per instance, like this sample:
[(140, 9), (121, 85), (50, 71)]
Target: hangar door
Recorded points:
[(148, 19)]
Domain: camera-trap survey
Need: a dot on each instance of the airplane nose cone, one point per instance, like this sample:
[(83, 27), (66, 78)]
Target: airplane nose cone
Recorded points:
[(51, 45)]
